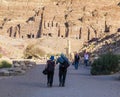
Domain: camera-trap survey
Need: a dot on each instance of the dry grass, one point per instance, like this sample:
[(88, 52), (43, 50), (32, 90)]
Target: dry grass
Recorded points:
[(33, 51)]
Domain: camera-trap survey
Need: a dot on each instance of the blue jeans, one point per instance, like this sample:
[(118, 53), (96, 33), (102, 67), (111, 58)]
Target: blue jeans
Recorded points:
[(76, 65), (86, 62)]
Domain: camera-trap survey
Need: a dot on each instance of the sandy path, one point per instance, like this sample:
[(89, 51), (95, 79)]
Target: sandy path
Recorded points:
[(78, 84)]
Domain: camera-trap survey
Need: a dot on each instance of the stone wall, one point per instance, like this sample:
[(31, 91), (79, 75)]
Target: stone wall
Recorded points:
[(19, 67)]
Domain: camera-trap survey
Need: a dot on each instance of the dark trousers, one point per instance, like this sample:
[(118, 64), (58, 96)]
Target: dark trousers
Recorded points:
[(62, 77), (50, 78), (86, 62), (76, 64)]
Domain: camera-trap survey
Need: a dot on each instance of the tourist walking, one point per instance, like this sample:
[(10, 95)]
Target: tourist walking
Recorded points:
[(76, 61), (86, 58), (63, 65), (50, 71)]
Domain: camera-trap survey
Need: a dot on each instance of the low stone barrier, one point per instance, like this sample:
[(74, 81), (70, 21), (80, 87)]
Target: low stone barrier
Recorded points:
[(19, 67)]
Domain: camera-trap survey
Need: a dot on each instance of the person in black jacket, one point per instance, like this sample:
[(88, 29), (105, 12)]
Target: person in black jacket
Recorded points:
[(76, 61), (63, 64), (50, 68)]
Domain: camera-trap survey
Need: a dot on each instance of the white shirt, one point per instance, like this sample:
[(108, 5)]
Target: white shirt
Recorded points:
[(86, 56)]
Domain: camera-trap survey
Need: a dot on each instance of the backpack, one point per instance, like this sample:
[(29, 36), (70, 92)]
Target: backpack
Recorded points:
[(66, 61), (64, 65), (50, 65), (60, 60)]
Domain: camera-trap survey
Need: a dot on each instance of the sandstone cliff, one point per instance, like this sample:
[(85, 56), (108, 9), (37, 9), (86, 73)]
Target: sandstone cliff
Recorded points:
[(79, 20)]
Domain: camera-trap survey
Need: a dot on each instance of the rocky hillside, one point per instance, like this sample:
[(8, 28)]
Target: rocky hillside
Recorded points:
[(78, 20)]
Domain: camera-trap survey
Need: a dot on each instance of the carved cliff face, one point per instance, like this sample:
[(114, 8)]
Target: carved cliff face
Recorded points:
[(80, 20), (76, 19)]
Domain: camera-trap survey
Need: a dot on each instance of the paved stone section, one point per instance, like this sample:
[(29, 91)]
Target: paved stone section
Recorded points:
[(79, 83)]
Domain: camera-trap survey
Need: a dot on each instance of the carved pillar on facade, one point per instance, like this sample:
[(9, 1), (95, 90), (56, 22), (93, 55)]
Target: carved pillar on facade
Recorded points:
[(80, 32), (9, 31), (39, 33)]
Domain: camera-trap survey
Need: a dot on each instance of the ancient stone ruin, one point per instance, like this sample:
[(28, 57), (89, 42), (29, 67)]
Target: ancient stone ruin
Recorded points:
[(66, 18)]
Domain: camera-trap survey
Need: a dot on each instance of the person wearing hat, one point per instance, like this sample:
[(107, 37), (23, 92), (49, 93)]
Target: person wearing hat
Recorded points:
[(50, 68)]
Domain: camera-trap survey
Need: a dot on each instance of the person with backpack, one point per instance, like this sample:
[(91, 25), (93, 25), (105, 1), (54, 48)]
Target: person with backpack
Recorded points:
[(63, 65), (50, 71)]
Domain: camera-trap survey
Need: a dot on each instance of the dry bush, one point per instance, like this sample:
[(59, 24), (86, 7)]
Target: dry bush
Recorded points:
[(0, 55), (33, 51)]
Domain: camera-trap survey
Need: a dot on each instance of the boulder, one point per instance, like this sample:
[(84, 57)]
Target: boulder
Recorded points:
[(4, 72), (23, 67), (16, 65), (22, 63), (30, 65)]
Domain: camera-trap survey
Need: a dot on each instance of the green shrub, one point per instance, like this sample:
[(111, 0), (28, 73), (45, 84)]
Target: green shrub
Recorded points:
[(5, 64), (105, 64), (119, 60)]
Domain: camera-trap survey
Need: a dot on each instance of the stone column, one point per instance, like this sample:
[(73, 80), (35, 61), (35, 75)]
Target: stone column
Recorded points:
[(68, 49)]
